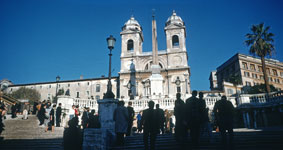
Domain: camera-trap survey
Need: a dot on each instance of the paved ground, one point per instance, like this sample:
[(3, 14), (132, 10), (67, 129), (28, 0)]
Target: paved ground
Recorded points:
[(27, 135)]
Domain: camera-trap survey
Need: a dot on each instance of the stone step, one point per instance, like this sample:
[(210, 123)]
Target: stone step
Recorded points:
[(242, 140)]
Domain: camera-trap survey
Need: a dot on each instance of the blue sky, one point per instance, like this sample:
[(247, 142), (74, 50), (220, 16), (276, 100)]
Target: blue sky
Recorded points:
[(42, 39)]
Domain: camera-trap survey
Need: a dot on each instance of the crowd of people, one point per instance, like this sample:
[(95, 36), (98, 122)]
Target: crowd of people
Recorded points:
[(190, 115), (191, 118)]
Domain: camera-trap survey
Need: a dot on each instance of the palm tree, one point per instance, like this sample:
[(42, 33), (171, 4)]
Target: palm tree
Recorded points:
[(236, 80), (260, 42)]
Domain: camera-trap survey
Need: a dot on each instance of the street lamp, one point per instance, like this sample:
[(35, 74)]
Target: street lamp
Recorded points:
[(110, 42), (57, 80)]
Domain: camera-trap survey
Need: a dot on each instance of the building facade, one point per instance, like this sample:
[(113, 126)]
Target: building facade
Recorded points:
[(135, 76), (93, 88), (136, 65), (250, 70)]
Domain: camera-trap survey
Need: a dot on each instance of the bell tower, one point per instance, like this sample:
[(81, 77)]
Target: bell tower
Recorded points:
[(132, 40), (175, 31)]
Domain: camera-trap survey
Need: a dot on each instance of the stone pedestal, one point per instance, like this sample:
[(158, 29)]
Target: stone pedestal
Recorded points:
[(101, 139), (106, 110), (156, 82)]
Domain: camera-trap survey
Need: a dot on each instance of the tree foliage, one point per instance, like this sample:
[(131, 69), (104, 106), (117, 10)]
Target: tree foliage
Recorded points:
[(26, 93), (260, 88), (260, 42)]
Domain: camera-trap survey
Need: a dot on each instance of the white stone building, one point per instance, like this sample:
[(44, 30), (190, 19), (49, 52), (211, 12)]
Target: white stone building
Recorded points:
[(136, 65)]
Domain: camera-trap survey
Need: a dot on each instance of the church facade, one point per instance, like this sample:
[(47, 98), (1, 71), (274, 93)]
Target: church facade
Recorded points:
[(136, 74), (156, 74)]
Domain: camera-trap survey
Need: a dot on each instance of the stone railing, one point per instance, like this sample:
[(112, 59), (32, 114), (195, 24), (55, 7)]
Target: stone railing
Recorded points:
[(260, 100), (92, 104)]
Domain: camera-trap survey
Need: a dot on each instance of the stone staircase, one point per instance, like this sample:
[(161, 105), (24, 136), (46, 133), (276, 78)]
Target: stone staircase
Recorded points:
[(244, 139), (28, 135)]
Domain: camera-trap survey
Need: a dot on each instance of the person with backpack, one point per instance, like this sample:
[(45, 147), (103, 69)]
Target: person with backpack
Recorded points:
[(194, 117)]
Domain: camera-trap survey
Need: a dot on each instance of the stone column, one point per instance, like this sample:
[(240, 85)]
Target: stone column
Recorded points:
[(106, 110), (255, 118)]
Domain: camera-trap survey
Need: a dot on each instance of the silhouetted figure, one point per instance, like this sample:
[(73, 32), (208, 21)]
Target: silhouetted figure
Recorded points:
[(58, 115), (93, 120), (51, 122), (34, 108), (194, 111), (224, 114), (179, 112), (85, 117), (161, 118), (131, 114), (14, 110), (150, 125), (121, 119), (205, 124), (72, 136), (41, 114), (2, 109), (139, 116)]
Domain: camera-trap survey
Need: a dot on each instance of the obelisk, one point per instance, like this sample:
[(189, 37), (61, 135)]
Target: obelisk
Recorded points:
[(156, 80)]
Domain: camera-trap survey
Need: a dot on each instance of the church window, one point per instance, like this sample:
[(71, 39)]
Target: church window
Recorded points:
[(97, 88), (78, 94), (175, 41), (97, 97), (130, 45)]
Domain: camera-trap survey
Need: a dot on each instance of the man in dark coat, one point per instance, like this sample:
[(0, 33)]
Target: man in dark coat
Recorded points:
[(179, 112), (150, 125), (194, 111), (131, 114), (121, 118), (93, 120), (85, 117), (58, 115), (14, 110), (161, 117), (224, 114)]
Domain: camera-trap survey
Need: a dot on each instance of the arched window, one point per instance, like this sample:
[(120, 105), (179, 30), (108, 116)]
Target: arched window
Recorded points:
[(130, 45), (175, 41)]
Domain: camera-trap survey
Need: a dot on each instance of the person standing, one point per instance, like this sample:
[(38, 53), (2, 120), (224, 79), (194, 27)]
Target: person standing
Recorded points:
[(194, 117), (51, 119), (93, 120), (131, 114), (85, 117), (25, 111), (150, 125), (224, 114), (179, 112), (72, 112), (121, 118), (14, 110), (161, 118), (58, 115), (139, 116)]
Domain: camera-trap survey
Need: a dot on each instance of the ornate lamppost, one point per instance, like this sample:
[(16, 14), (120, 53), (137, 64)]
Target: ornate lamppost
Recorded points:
[(56, 94), (110, 42)]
